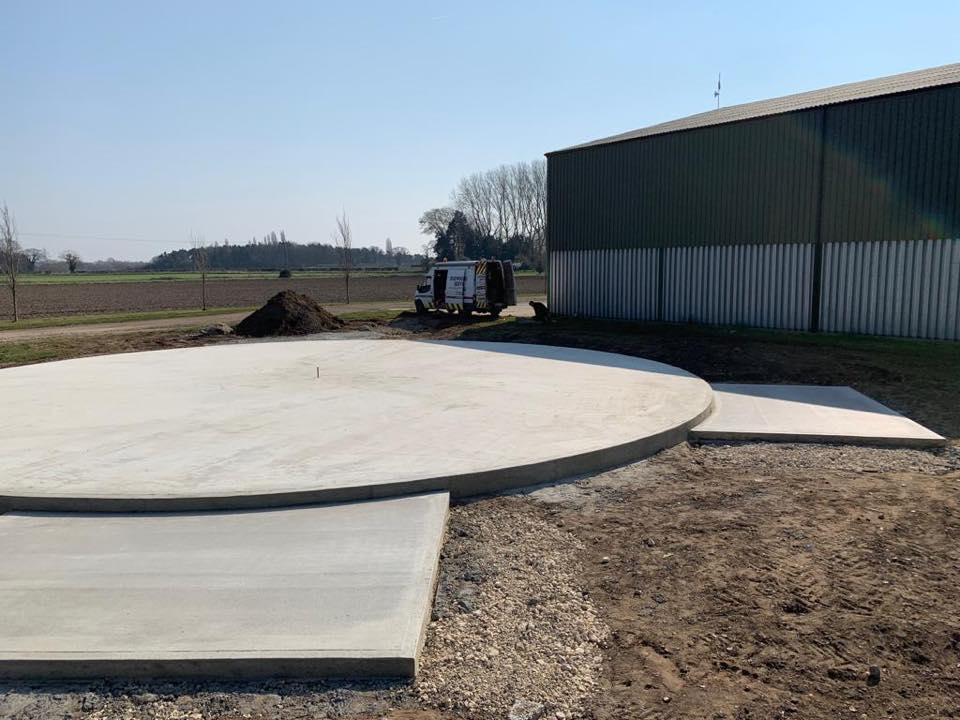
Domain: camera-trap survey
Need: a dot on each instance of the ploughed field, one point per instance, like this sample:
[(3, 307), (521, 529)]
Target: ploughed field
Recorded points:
[(81, 298)]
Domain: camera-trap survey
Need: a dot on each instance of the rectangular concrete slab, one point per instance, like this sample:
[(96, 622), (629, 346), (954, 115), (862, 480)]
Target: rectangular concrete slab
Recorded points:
[(300, 592), (807, 413)]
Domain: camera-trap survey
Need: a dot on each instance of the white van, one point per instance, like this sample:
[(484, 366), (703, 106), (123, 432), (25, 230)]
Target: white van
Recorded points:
[(466, 286)]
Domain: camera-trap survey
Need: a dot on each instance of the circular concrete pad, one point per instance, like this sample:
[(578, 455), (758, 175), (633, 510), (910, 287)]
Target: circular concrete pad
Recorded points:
[(252, 425)]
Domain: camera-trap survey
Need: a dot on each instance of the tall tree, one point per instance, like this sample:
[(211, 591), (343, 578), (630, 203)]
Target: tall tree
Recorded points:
[(463, 238), (508, 206), (199, 253), (343, 239), (71, 259), (435, 221), (10, 255), (286, 250), (34, 257)]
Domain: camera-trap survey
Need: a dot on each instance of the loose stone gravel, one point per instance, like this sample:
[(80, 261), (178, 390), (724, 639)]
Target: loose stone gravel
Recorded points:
[(512, 627), (510, 624), (787, 456)]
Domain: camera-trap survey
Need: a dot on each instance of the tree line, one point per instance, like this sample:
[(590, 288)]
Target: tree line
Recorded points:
[(275, 252), (499, 213)]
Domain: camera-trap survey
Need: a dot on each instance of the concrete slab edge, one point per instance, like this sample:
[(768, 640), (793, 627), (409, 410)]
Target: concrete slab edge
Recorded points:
[(212, 667), (417, 639), (890, 442), (459, 486)]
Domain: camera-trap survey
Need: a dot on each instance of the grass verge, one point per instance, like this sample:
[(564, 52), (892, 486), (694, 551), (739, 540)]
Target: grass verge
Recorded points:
[(100, 318)]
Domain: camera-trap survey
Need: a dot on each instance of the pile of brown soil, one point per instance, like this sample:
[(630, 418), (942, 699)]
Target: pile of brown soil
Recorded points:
[(288, 313)]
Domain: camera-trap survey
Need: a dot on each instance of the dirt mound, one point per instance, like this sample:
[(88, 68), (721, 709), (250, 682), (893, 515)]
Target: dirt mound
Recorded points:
[(288, 313)]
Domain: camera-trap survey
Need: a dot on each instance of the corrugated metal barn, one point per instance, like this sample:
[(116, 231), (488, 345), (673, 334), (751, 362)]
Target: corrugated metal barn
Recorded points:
[(834, 210)]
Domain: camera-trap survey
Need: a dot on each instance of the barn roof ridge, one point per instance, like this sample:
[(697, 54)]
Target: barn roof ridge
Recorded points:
[(847, 92)]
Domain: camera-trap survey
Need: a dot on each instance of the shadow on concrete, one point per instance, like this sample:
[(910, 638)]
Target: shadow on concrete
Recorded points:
[(578, 356), (839, 397)]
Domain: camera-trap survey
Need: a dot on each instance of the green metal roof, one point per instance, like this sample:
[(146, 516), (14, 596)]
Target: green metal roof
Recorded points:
[(890, 85)]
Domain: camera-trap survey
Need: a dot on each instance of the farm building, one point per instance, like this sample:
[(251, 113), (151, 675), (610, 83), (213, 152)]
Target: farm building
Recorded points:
[(834, 210)]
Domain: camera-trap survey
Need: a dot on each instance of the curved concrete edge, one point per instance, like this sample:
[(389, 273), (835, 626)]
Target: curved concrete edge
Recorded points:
[(198, 666), (860, 440), (459, 486)]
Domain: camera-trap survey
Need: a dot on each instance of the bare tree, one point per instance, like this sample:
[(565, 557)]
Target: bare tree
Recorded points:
[(71, 259), (34, 257), (343, 239), (435, 220), (199, 253), (507, 202), (10, 255)]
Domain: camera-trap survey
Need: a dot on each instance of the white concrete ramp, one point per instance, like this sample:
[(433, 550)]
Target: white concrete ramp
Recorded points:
[(305, 592), (807, 413)]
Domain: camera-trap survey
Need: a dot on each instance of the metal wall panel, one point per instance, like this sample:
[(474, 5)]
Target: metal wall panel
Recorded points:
[(738, 210), (888, 168), (763, 286), (892, 168), (751, 182), (907, 289), (618, 284), (754, 285)]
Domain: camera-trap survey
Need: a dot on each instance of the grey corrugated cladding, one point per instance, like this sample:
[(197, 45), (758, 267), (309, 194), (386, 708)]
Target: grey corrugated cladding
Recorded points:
[(871, 168)]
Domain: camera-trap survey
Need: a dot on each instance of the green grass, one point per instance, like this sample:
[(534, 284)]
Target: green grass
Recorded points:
[(100, 318), (26, 353), (139, 277)]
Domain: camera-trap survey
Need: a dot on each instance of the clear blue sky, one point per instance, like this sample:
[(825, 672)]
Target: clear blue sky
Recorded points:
[(149, 120)]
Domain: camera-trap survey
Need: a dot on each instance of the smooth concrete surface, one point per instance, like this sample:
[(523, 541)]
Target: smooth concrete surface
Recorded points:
[(282, 423), (304, 592), (807, 413)]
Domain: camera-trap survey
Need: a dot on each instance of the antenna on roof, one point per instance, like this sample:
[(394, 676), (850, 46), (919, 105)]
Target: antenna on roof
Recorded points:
[(716, 93)]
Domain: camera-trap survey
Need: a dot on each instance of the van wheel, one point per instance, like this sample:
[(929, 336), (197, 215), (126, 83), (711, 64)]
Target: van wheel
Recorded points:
[(495, 312), (421, 308)]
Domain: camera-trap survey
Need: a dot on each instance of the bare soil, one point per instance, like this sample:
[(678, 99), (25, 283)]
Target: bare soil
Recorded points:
[(288, 313), (72, 299), (733, 582), (743, 589)]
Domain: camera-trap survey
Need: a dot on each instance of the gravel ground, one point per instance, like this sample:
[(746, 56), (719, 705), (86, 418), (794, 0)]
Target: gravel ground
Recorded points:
[(758, 581), (795, 456), (512, 623), (735, 581)]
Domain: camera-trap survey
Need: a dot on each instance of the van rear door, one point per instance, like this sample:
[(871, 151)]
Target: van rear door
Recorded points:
[(509, 284), (440, 286)]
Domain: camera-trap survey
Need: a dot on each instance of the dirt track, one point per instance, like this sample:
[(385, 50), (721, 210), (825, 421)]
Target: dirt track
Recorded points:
[(72, 299)]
